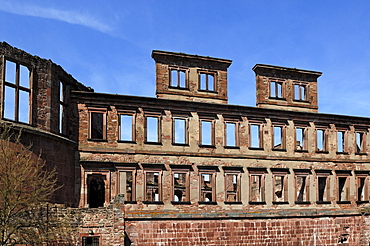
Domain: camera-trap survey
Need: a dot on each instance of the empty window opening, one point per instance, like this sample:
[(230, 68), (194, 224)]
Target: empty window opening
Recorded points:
[(207, 130), (96, 197), (90, 241), (152, 187), (127, 185), (302, 188), (180, 187), (207, 81), (255, 136), (300, 138), (178, 78), (17, 91), (320, 140), (63, 108), (97, 125), (300, 92), (179, 131), (278, 137), (280, 187), (257, 188), (322, 188), (231, 133), (276, 89), (343, 189), (362, 188), (232, 187), (340, 141), (152, 129), (207, 187), (360, 142), (126, 128)]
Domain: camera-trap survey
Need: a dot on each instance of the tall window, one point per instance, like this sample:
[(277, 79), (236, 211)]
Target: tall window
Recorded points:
[(96, 190), (153, 129), (300, 92), (207, 132), (180, 185), (255, 136), (180, 130), (127, 127), (302, 191), (207, 81), (178, 78), (98, 125), (362, 185), (280, 186), (232, 186), (231, 134), (343, 186), (360, 142), (126, 180), (276, 89), (17, 92), (323, 186), (207, 186), (321, 140), (256, 186), (278, 137), (153, 186), (300, 138), (341, 141), (63, 108)]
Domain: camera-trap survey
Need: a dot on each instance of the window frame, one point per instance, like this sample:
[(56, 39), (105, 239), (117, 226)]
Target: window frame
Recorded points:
[(159, 117), (186, 129), (342, 174), (360, 148), (119, 187), (362, 175), (17, 89), (261, 173), (274, 88), (178, 77), (236, 133), (131, 113), (64, 91), (326, 195), (283, 129), (325, 135), (344, 141), (301, 86), (181, 170), (212, 121), (203, 190), (282, 174), (160, 187), (260, 124), (207, 74), (238, 173), (304, 146), (306, 174), (104, 113)]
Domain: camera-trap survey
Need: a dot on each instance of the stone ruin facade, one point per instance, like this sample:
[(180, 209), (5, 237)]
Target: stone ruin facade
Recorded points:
[(187, 168)]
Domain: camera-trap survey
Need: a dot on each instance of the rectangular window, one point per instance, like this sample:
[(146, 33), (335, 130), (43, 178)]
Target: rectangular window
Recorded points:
[(207, 132), (362, 185), (323, 186), (278, 137), (181, 186), (343, 186), (153, 133), (180, 130), (207, 187), (207, 81), (17, 92), (232, 186), (153, 186), (360, 142), (321, 140), (90, 241), (255, 136), (341, 141), (178, 78), (302, 188), (257, 186), (276, 89), (98, 127), (231, 134), (63, 108), (300, 138), (280, 186), (300, 92), (126, 127), (127, 184)]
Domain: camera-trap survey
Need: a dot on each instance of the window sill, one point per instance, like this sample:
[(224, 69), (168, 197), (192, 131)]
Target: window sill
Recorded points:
[(360, 153), (255, 148), (342, 153), (208, 91), (322, 152), (343, 202), (231, 203), (280, 203), (231, 147), (257, 203), (130, 202), (178, 88), (301, 151), (300, 101), (150, 202), (180, 203), (362, 202), (126, 141), (207, 146), (153, 143), (302, 202), (281, 150), (207, 203), (180, 144), (323, 202), (278, 98), (97, 140)]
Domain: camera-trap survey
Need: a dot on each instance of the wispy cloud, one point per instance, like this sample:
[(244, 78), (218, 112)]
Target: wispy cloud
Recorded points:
[(72, 17)]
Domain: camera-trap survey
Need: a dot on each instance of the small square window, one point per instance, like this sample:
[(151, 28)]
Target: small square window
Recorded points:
[(207, 81), (276, 89), (178, 78), (300, 92)]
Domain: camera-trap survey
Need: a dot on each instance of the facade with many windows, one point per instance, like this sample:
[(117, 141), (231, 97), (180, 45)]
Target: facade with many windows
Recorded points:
[(187, 168)]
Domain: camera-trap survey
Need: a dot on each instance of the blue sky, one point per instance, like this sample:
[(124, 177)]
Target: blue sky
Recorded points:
[(107, 44)]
